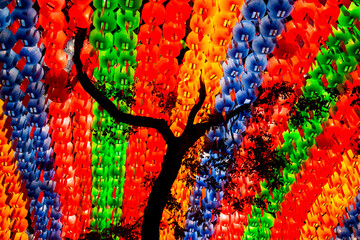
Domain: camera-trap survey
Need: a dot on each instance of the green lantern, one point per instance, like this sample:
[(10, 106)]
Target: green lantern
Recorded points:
[(124, 79), (345, 19), (100, 41), (125, 41), (267, 220), (353, 48), (312, 88), (128, 20), (345, 64), (104, 20), (104, 75), (109, 5), (108, 58), (325, 57), (341, 34), (334, 78), (131, 5), (127, 58)]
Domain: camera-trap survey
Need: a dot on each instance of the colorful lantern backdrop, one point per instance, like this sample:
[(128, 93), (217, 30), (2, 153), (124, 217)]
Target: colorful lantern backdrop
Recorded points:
[(287, 168)]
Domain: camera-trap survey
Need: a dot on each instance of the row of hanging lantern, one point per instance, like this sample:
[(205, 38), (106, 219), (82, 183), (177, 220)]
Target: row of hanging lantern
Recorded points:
[(318, 170), (270, 65), (25, 104), (74, 222), (192, 71), (239, 59), (198, 41), (243, 90), (160, 49), (13, 203), (53, 21), (156, 75), (177, 13), (218, 26), (57, 32), (211, 25), (279, 194), (108, 169), (312, 126), (201, 25), (70, 124), (73, 160), (57, 37), (206, 230), (206, 203), (222, 19), (145, 154), (115, 41), (328, 205), (328, 209), (82, 135), (60, 125), (350, 223), (108, 159), (276, 74), (232, 222)]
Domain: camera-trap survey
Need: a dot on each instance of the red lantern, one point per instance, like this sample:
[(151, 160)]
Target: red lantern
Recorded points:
[(51, 5), (153, 13), (174, 32), (148, 54), (167, 67), (56, 58), (81, 15), (169, 49), (177, 12), (150, 34)]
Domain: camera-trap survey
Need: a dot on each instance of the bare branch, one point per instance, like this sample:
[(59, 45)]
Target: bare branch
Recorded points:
[(159, 124), (218, 118), (197, 106)]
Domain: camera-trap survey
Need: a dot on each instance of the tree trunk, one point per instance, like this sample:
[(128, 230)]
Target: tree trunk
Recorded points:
[(162, 187)]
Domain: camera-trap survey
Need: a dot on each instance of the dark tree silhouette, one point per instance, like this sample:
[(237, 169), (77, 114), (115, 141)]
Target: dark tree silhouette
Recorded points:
[(177, 146)]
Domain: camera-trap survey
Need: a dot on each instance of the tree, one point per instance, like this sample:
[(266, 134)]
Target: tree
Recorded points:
[(259, 158), (177, 146)]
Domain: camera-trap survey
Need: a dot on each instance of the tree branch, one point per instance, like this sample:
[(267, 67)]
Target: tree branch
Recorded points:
[(197, 106), (219, 119), (140, 121)]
